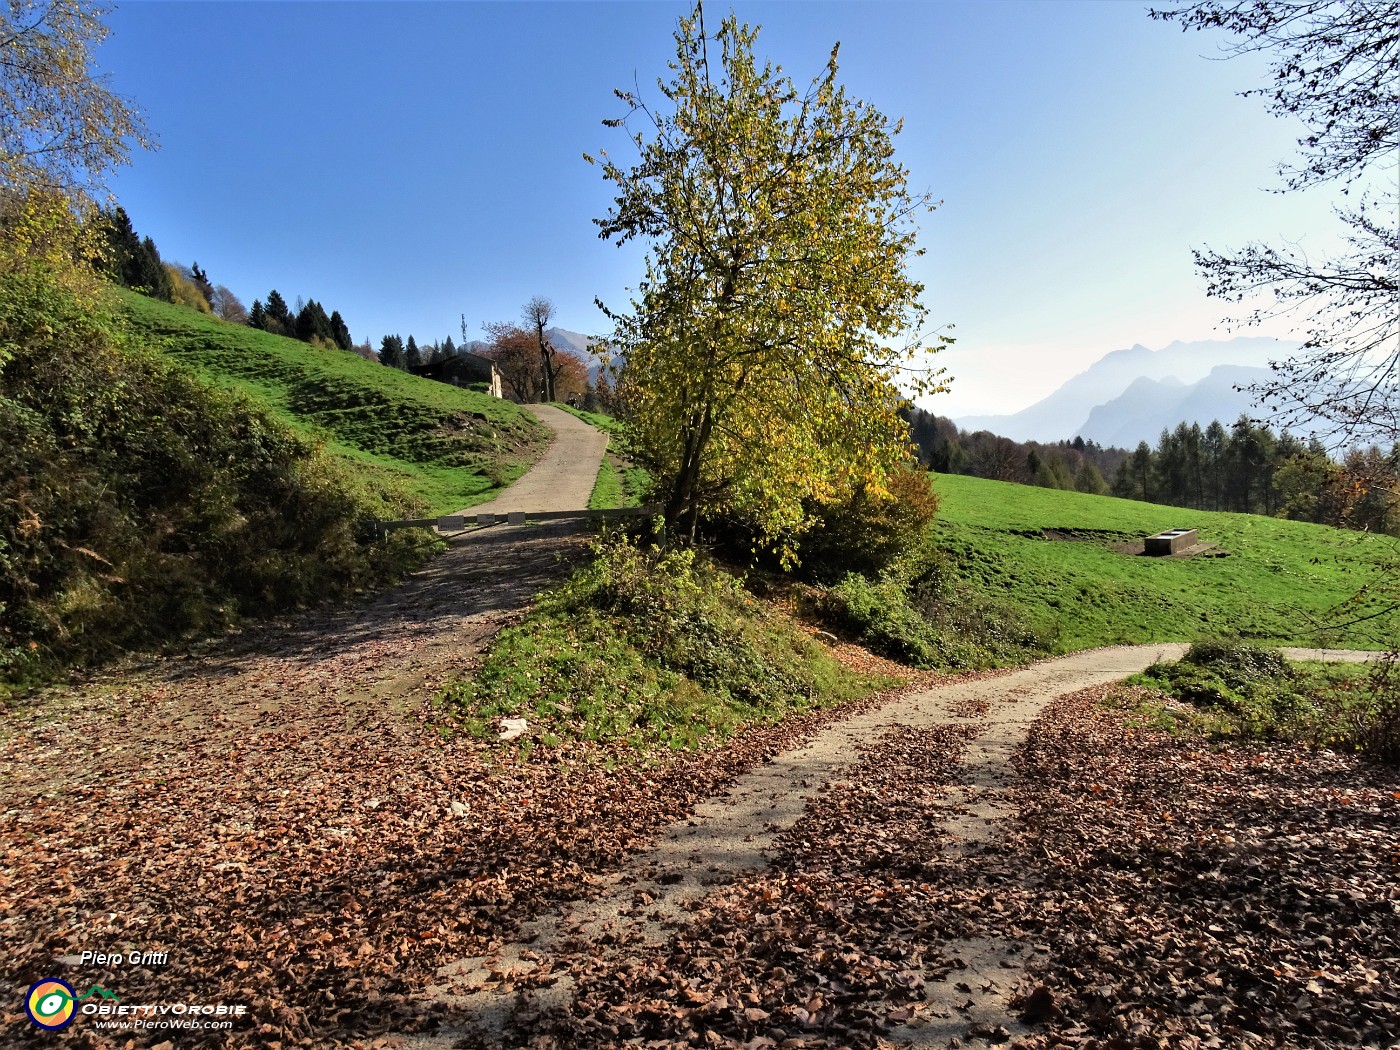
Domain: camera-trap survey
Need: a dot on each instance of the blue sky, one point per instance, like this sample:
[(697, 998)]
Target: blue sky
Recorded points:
[(406, 163)]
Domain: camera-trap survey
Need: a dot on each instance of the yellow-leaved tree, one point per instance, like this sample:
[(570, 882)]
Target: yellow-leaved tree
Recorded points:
[(774, 337)]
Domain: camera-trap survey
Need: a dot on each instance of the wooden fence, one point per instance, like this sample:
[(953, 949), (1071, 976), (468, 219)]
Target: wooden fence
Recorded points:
[(460, 522)]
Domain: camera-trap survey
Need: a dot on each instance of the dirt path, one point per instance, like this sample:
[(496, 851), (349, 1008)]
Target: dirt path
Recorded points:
[(276, 813), (648, 901), (366, 664), (564, 476)]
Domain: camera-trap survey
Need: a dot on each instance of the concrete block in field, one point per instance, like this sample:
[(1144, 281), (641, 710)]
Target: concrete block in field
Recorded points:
[(486, 519), (516, 517), (455, 523), (1173, 541)]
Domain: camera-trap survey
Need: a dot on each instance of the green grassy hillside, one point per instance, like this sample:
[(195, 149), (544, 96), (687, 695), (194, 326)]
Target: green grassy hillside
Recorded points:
[(442, 447), (1052, 554)]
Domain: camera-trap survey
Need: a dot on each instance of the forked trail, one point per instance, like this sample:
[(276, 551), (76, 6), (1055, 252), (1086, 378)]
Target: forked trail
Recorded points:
[(498, 999)]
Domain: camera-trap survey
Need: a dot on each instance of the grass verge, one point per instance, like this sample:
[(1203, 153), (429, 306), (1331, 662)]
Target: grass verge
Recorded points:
[(651, 648), (1235, 690), (621, 483)]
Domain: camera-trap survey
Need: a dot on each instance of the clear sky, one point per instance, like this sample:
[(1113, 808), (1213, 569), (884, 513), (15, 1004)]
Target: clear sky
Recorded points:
[(406, 163)]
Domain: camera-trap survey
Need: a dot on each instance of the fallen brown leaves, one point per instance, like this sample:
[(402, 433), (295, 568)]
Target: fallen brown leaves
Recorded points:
[(828, 948), (1204, 896), (295, 848), (1171, 895), (295, 851)]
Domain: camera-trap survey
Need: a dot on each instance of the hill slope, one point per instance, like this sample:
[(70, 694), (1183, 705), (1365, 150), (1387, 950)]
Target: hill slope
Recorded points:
[(1281, 581), (437, 447)]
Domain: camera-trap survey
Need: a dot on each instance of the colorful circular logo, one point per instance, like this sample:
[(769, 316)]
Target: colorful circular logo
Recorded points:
[(51, 1004)]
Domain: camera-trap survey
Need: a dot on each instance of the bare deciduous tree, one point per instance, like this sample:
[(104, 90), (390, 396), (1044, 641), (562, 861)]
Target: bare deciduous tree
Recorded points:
[(537, 314), (1336, 67), (228, 306)]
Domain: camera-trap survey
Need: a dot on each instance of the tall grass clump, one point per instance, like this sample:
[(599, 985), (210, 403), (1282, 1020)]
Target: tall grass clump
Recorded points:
[(917, 612)]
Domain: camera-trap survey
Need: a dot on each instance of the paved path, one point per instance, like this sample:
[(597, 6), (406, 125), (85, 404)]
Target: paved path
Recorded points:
[(732, 835), (563, 478)]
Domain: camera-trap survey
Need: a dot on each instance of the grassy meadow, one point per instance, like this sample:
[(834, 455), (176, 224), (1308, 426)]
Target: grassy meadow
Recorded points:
[(1282, 581), (442, 447)]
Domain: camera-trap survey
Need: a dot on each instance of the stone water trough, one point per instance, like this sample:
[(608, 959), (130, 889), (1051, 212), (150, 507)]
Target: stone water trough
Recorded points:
[(1173, 541)]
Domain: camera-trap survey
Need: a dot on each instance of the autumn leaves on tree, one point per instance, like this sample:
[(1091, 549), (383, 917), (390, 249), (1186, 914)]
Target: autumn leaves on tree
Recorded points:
[(768, 343)]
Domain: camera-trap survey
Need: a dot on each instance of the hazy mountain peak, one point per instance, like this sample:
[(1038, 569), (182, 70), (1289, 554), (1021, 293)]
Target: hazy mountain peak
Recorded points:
[(1171, 374)]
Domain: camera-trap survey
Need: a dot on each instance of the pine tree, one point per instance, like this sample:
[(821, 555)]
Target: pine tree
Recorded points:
[(1090, 480), (200, 280), (391, 351), (124, 251), (312, 323), (340, 332), (279, 317), (153, 278), (411, 357), (257, 317)]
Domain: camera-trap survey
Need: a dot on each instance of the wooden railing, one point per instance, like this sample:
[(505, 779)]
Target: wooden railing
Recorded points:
[(460, 522)]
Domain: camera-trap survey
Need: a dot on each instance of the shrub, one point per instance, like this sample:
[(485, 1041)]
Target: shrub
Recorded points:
[(1239, 663), (1379, 734), (1251, 686), (917, 612), (650, 645), (866, 533)]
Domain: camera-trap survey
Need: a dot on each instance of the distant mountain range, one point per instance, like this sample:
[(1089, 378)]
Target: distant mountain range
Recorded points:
[(1130, 395)]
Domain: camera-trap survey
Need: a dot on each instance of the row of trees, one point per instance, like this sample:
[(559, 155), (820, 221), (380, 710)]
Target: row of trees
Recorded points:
[(1250, 469), (308, 322), (1076, 465), (135, 262), (1246, 468)]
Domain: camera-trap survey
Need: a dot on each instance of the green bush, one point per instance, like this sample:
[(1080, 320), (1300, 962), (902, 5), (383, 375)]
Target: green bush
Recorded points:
[(1378, 733), (1239, 663), (917, 612)]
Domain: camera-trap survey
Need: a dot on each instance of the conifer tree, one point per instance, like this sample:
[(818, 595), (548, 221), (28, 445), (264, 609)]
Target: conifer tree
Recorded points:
[(123, 260), (279, 317), (340, 332), (200, 280), (313, 324), (152, 276), (391, 351)]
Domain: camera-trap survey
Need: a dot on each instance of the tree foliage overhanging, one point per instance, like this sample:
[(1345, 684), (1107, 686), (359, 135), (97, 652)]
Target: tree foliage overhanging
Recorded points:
[(61, 127), (136, 502), (1336, 67), (760, 375)]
